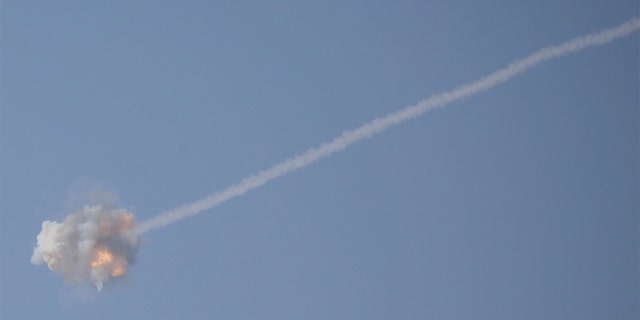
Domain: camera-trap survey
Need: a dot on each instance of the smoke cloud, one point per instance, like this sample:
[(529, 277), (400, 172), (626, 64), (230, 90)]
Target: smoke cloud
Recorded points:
[(95, 244), (381, 124)]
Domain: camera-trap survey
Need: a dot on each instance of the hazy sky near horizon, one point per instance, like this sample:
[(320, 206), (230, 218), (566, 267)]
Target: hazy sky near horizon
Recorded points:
[(520, 202)]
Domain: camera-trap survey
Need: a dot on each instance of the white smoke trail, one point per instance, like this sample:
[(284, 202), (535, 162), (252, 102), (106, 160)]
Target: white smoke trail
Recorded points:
[(380, 124)]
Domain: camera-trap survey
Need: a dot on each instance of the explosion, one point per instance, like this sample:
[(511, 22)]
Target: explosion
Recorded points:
[(96, 244)]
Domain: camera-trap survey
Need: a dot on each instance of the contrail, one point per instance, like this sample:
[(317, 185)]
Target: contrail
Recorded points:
[(382, 123)]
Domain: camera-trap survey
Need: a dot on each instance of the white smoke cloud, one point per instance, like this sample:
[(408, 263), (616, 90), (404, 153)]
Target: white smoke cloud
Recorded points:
[(381, 124), (94, 244)]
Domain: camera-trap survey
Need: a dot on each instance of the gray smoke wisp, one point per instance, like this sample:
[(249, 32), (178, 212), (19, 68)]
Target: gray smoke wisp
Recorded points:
[(385, 122), (94, 244)]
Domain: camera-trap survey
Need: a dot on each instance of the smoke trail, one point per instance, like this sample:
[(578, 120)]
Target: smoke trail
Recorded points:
[(380, 124), (93, 244)]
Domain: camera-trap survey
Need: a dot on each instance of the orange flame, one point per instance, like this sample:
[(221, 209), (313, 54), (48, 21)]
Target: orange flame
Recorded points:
[(127, 222), (124, 222), (118, 271), (104, 258)]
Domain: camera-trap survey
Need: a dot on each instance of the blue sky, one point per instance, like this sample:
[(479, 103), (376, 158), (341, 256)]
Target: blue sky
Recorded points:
[(520, 202)]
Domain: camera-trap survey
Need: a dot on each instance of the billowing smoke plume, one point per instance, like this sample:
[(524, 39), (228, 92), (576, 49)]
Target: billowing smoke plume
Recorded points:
[(95, 244)]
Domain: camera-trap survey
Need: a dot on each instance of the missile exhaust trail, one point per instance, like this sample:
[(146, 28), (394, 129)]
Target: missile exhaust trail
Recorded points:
[(380, 124)]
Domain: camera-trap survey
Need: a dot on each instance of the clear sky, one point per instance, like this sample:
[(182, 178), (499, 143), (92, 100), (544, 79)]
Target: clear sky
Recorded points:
[(518, 203)]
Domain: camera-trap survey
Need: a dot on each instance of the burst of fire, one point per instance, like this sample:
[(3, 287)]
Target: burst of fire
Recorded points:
[(127, 222), (103, 258), (118, 271), (123, 222)]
